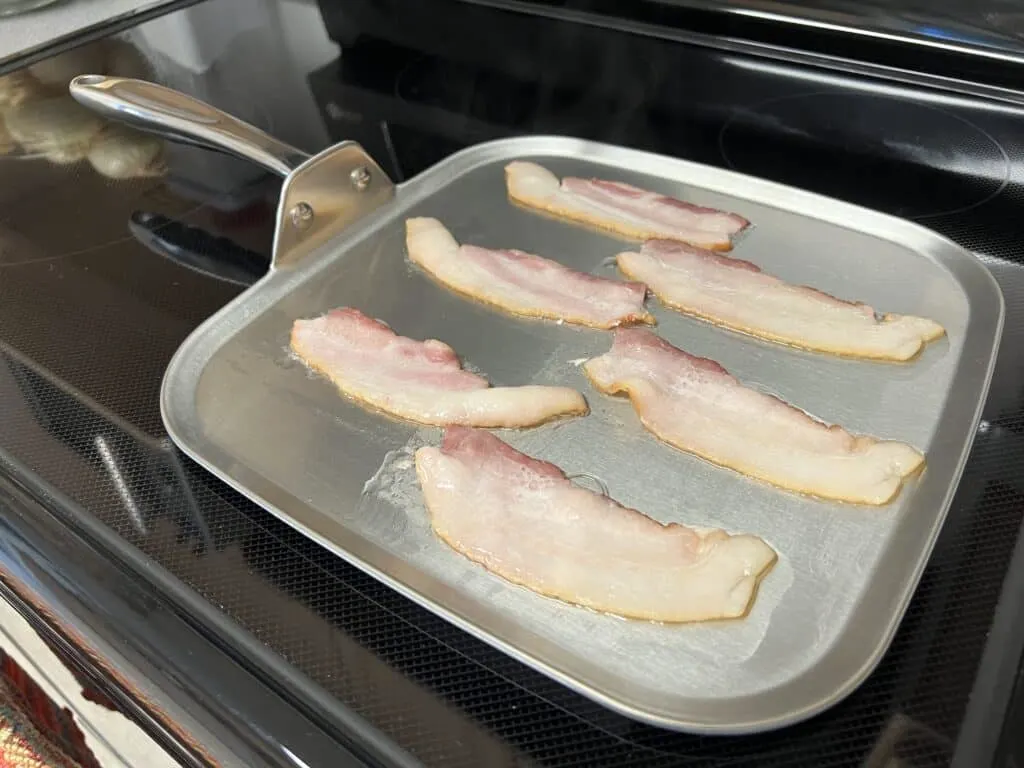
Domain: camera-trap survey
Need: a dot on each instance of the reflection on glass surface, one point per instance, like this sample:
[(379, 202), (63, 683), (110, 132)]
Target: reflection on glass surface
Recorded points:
[(51, 708), (993, 26), (16, 7)]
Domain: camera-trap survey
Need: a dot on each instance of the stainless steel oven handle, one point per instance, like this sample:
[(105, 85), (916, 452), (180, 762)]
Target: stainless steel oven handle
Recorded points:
[(179, 117)]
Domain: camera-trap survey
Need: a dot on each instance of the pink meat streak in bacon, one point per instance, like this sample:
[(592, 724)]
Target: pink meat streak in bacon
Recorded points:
[(635, 213), (738, 295), (694, 404), (523, 520), (421, 381), (523, 284)]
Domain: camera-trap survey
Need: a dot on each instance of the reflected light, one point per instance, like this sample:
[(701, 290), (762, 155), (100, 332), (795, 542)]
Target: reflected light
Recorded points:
[(120, 484), (875, 87)]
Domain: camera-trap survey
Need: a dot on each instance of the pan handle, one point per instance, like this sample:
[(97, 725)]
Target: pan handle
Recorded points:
[(179, 117)]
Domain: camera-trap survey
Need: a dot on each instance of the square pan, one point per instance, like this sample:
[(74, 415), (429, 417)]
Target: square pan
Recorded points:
[(235, 400)]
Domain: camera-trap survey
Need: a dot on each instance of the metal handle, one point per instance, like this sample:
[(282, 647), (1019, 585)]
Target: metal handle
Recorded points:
[(179, 117)]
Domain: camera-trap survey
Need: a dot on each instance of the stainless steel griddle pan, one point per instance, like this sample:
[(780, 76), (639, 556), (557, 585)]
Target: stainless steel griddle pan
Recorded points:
[(235, 401)]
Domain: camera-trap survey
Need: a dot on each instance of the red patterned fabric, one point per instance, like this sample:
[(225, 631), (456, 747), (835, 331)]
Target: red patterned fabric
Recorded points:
[(34, 731)]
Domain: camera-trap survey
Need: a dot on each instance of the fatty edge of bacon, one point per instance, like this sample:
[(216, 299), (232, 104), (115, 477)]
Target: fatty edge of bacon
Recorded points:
[(421, 381), (523, 284), (697, 406), (738, 295), (523, 520), (629, 211)]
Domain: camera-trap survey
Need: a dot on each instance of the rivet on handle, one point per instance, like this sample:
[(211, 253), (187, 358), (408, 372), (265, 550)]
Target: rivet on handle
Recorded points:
[(301, 215), (360, 178)]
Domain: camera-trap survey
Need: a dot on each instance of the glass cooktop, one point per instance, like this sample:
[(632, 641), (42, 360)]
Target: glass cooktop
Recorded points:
[(109, 259)]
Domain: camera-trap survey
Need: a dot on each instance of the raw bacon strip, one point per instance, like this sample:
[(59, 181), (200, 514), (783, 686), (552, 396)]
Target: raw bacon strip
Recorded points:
[(622, 208), (525, 521), (738, 295), (522, 283), (418, 380), (695, 405)]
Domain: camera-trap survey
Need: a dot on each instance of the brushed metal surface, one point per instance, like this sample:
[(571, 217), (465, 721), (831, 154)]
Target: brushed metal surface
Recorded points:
[(235, 400), (336, 187), (321, 195), (177, 116)]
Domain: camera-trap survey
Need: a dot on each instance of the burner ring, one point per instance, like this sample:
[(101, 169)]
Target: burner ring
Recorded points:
[(906, 158)]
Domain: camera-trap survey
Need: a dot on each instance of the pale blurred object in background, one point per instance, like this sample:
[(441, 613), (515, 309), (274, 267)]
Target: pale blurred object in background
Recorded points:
[(39, 119), (14, 7)]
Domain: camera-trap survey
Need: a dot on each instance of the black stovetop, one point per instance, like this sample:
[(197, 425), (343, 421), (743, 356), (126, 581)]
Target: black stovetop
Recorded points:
[(93, 305)]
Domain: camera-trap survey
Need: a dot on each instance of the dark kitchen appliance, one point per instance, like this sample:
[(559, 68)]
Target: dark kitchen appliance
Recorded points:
[(312, 652)]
